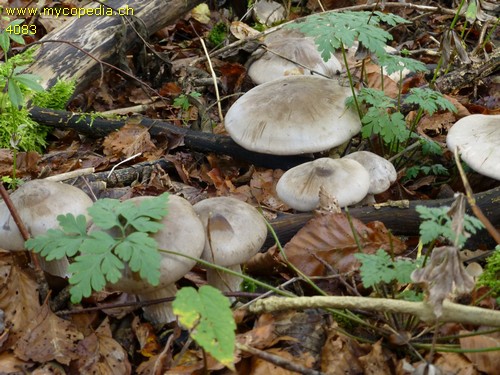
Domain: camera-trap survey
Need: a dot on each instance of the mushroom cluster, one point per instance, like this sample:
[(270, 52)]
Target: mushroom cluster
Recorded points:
[(353, 179), (38, 203)]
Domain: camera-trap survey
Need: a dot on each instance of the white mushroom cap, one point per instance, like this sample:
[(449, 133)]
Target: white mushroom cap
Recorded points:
[(293, 115), (382, 172), (273, 63), (38, 203), (182, 232), (478, 140), (235, 231), (345, 179)]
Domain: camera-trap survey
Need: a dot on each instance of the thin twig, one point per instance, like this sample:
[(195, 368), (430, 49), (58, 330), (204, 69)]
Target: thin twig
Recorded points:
[(277, 360), (472, 201), (214, 77)]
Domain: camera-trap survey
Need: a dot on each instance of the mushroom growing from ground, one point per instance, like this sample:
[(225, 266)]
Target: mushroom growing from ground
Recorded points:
[(182, 232), (38, 203), (293, 115), (382, 172), (235, 231), (478, 140), (345, 179), (290, 56)]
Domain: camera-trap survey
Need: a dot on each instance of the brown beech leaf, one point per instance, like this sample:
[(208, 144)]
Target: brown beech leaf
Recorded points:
[(99, 353), (10, 364), (128, 141), (487, 362), (148, 341), (443, 274), (327, 241), (48, 337), (18, 299), (378, 361)]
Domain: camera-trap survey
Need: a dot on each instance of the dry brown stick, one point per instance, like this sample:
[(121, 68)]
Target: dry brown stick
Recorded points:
[(277, 360), (472, 201)]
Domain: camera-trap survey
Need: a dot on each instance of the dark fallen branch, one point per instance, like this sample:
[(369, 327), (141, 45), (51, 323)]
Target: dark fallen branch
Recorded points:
[(401, 221), (199, 141)]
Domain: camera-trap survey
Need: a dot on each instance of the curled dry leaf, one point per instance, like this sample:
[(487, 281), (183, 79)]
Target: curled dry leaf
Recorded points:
[(443, 274), (48, 338), (328, 241)]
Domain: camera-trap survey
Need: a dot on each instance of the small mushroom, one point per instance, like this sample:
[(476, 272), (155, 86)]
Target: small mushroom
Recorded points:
[(182, 232), (345, 179), (293, 115), (268, 12), (290, 56), (382, 172), (478, 140), (38, 203), (235, 231)]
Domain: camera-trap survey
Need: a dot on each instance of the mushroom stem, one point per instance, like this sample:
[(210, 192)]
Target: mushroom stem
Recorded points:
[(224, 281), (159, 313), (57, 267)]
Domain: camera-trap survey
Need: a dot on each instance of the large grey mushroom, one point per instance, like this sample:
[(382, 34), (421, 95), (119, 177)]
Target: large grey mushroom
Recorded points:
[(235, 231), (293, 115), (345, 179), (182, 232), (38, 203), (477, 138)]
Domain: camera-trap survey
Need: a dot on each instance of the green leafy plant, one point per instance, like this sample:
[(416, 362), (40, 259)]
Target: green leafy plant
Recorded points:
[(438, 223), (435, 169), (491, 274), (102, 254), (380, 268), (380, 114), (207, 315), (55, 97), (218, 33), (182, 101)]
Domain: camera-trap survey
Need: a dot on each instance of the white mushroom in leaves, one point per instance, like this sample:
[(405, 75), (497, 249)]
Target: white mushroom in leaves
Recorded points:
[(235, 231), (38, 203), (345, 179)]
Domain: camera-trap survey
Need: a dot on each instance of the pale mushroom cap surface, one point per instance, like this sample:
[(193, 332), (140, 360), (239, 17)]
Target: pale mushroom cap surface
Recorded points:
[(345, 179), (182, 232), (293, 115), (382, 172), (235, 230), (38, 203), (271, 66), (478, 140)]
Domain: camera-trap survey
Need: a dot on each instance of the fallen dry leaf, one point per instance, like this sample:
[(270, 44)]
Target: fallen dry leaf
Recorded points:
[(327, 241), (378, 361), (99, 353), (128, 141), (48, 337), (487, 362), (10, 364), (148, 341), (18, 299)]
